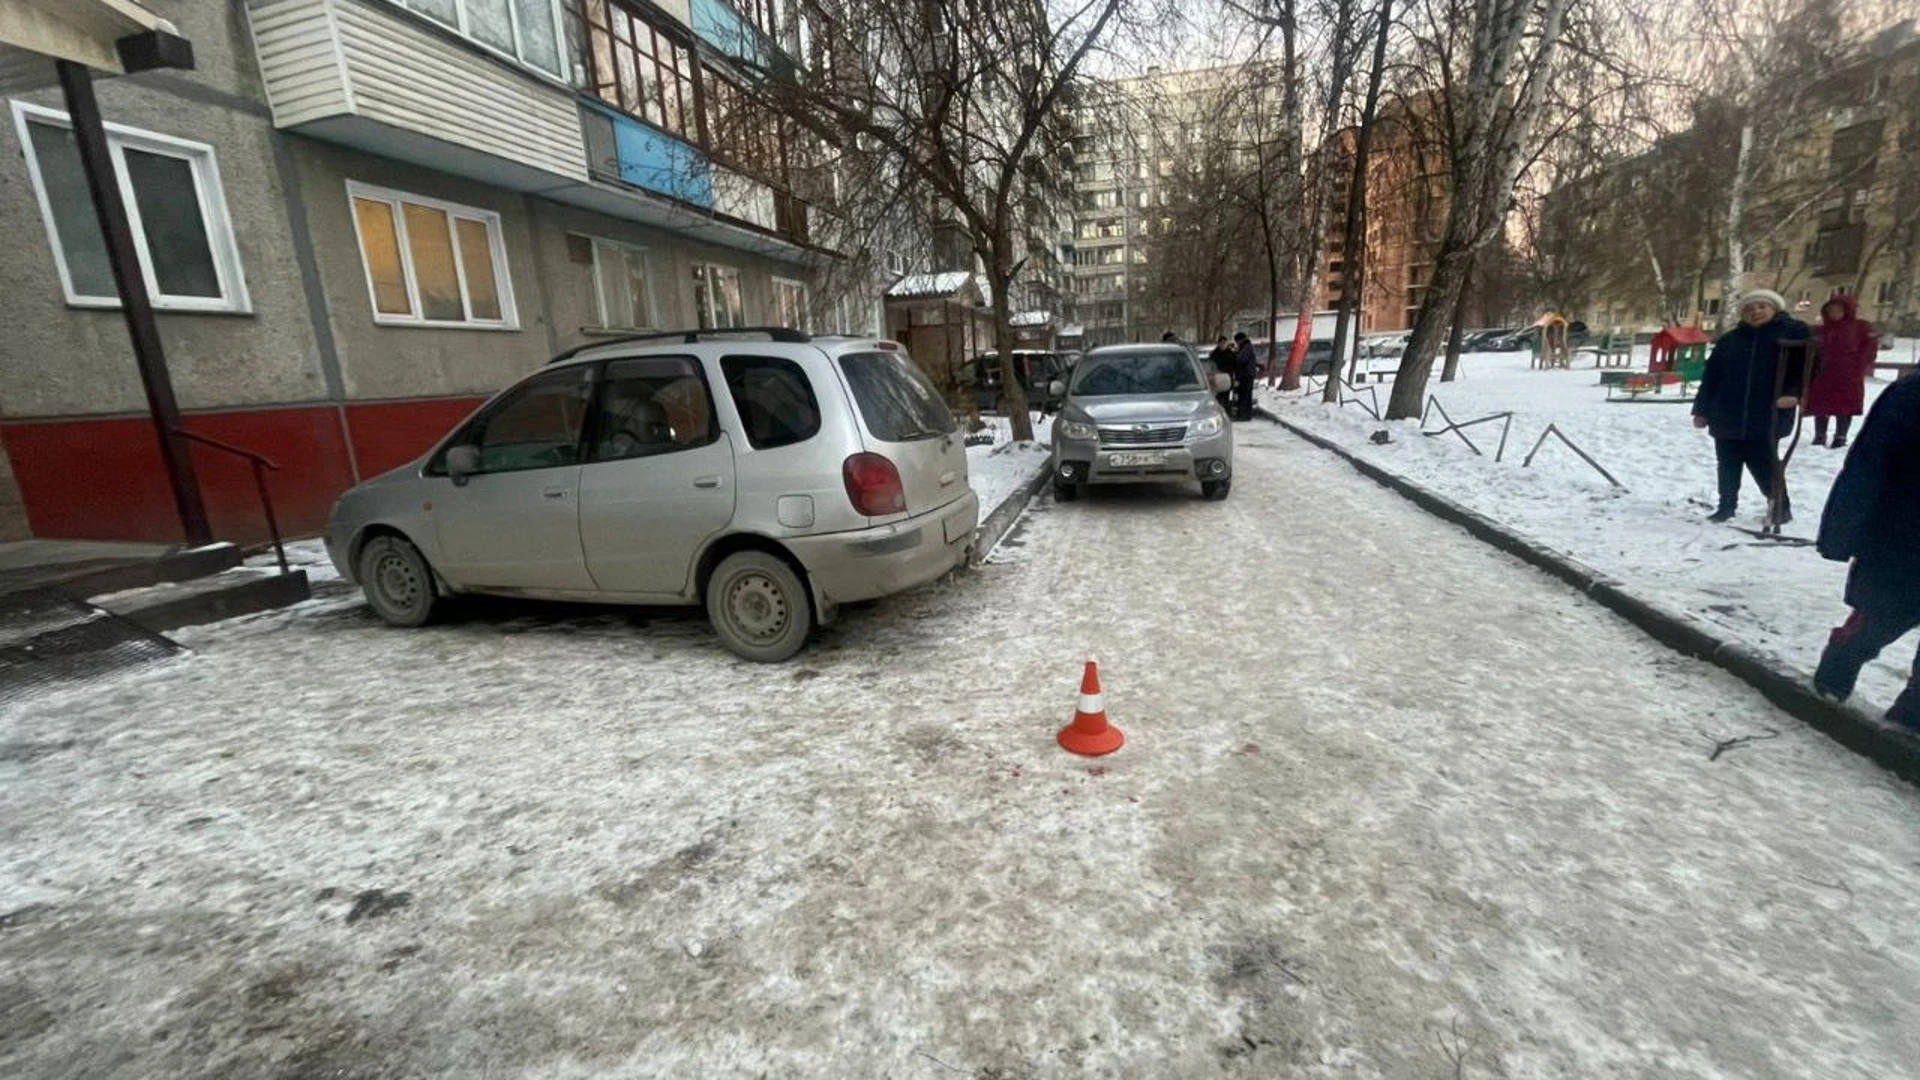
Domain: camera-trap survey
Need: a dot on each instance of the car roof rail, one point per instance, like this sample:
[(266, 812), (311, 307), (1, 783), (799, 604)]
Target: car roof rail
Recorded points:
[(773, 333)]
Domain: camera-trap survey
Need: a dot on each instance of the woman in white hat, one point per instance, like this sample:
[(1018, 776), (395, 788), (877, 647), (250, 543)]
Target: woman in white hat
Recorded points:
[(1736, 402)]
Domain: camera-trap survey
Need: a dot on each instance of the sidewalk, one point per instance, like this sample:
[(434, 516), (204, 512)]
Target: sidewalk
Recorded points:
[(1651, 536)]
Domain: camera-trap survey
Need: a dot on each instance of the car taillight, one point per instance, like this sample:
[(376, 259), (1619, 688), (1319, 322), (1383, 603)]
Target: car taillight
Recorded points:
[(873, 483)]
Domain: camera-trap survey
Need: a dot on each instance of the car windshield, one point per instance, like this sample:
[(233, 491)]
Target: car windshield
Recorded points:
[(1135, 373)]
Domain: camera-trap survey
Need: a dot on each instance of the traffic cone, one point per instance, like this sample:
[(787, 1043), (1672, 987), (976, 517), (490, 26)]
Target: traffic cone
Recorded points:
[(1090, 734)]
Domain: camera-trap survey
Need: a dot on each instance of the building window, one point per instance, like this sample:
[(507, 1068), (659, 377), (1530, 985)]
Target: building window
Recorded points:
[(1886, 295), (526, 30), (1777, 259), (790, 303), (623, 286), (716, 297), (740, 133), (639, 68), (175, 205), (431, 263)]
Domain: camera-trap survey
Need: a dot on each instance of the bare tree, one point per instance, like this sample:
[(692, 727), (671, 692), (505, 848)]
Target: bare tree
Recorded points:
[(1495, 108), (1355, 245), (970, 98)]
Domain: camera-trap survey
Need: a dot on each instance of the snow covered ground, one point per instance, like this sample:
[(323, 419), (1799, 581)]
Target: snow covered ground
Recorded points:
[(1653, 535), (1403, 804), (1004, 467)]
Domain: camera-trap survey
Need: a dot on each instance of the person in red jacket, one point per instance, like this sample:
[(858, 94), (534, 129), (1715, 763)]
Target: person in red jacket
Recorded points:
[(1847, 350)]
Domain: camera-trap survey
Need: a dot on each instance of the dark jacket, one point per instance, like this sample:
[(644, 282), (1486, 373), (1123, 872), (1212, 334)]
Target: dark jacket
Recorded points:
[(1737, 391), (1873, 512), (1848, 348), (1247, 360)]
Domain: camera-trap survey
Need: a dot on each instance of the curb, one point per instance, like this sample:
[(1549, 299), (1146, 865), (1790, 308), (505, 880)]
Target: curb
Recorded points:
[(1880, 742), (1000, 522)]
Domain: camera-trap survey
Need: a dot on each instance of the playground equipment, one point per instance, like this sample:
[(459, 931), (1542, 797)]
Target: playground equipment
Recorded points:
[(1679, 359), (1550, 346)]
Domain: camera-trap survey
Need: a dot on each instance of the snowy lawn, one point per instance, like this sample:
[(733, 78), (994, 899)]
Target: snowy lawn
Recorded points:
[(1407, 809), (1653, 536), (1004, 467)]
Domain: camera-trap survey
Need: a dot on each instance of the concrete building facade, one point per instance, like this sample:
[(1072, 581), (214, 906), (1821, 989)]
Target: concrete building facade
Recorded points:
[(359, 218)]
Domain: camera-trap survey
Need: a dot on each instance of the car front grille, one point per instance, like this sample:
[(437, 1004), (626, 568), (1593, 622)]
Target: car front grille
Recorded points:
[(1135, 436)]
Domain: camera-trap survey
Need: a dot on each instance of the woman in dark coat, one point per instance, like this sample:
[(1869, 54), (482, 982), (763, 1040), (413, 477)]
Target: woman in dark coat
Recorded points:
[(1736, 402), (1847, 352), (1873, 518)]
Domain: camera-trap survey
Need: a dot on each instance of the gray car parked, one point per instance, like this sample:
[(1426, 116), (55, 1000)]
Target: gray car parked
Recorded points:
[(769, 480), (1142, 414)]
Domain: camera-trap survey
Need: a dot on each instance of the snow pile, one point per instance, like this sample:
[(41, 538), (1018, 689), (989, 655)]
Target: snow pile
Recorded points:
[(1652, 535), (1005, 467)]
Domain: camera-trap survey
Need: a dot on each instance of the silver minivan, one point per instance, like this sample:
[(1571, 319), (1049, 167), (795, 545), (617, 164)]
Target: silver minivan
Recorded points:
[(768, 480)]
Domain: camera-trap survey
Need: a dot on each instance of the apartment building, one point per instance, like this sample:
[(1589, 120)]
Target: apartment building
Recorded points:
[(1407, 195), (358, 218), (1132, 135), (1833, 207)]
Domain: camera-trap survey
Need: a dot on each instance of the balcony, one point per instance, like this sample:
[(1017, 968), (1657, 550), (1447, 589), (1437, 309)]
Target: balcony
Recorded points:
[(366, 75), (369, 76)]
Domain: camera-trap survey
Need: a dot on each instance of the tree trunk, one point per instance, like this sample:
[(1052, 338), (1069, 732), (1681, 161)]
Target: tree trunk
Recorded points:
[(1736, 214), (1353, 264), (1013, 397), (1410, 382), (1273, 283), (1659, 281), (1451, 369)]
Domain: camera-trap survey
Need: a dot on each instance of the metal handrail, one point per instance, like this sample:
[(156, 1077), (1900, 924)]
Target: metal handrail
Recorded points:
[(261, 464)]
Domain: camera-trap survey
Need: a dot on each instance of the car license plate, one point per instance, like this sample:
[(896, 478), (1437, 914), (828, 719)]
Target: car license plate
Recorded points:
[(1122, 461)]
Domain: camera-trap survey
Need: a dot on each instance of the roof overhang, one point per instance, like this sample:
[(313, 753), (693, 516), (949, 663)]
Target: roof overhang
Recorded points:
[(111, 36)]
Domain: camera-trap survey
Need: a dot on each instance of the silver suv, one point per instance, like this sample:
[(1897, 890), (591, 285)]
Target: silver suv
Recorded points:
[(770, 480), (1142, 413)]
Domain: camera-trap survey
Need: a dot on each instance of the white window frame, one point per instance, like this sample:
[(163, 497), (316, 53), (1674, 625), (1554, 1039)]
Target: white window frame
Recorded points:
[(562, 57), (233, 298), (599, 283), (805, 316), (706, 271), (496, 242)]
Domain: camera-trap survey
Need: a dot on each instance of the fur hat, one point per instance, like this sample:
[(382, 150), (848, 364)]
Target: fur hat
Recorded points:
[(1763, 296)]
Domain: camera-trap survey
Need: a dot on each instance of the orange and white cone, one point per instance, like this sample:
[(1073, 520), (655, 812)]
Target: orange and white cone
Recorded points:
[(1090, 734)]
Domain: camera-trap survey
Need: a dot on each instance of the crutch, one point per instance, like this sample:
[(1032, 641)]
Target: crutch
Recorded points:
[(1807, 356)]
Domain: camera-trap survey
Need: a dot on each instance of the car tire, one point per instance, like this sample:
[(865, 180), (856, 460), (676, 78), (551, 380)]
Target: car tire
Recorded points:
[(397, 581), (760, 607), (1066, 492), (1216, 490)]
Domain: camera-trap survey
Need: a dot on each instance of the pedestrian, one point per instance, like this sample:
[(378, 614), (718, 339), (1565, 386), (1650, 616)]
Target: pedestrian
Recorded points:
[(1736, 402), (1873, 519), (1848, 348), (1224, 362), (1246, 362)]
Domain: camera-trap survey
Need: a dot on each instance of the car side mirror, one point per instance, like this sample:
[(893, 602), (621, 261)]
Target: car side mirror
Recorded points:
[(462, 462), (1057, 388), (1222, 382)]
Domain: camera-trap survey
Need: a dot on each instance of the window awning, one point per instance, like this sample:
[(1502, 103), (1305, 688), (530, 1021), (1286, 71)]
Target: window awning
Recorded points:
[(35, 33)]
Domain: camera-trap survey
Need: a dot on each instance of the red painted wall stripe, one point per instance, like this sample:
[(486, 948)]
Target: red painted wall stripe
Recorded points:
[(102, 479)]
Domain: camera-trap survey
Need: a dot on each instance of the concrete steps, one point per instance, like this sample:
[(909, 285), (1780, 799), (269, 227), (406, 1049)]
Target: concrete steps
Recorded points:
[(95, 619)]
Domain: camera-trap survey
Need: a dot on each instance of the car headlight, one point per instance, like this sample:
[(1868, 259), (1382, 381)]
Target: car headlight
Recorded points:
[(1207, 426), (1074, 429)]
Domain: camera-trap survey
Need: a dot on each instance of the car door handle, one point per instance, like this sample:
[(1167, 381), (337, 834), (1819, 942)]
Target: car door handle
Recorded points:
[(706, 481), (948, 477), (555, 493)]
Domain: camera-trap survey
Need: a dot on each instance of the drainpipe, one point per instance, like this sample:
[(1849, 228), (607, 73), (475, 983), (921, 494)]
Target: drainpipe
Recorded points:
[(90, 133)]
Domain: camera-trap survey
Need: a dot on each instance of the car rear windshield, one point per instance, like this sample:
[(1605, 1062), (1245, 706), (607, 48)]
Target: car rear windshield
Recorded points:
[(896, 399), (1135, 373)]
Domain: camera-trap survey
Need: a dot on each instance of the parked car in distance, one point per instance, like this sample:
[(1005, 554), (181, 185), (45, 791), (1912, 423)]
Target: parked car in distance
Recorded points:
[(1037, 371), (1142, 414), (766, 475)]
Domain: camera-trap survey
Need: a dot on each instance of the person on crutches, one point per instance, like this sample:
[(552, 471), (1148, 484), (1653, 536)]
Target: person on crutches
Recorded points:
[(1742, 402)]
